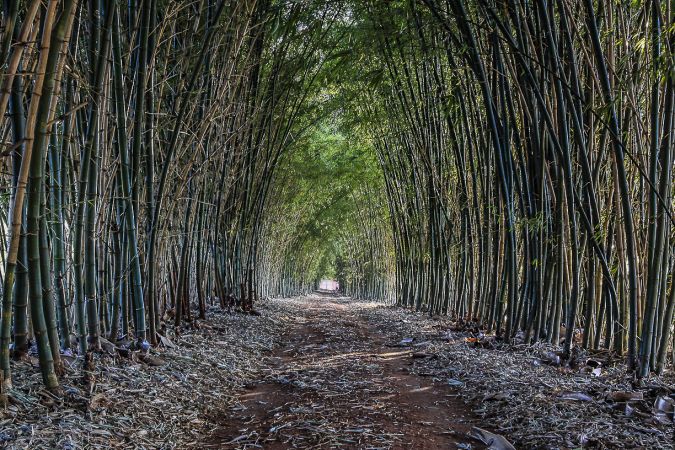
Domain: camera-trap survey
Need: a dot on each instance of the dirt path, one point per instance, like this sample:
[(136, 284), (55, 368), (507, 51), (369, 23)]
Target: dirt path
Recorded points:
[(339, 381)]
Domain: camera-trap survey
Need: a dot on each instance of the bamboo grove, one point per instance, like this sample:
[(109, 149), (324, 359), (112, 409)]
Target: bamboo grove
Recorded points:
[(328, 218), (527, 149), (139, 144), (504, 162)]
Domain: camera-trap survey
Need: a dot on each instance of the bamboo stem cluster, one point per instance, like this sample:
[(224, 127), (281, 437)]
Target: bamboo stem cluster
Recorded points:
[(528, 155), (144, 137)]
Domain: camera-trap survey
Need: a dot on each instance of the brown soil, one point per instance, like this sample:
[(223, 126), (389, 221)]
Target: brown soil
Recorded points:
[(337, 381)]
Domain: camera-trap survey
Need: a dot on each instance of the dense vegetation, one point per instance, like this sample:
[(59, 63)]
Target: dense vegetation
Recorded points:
[(509, 163)]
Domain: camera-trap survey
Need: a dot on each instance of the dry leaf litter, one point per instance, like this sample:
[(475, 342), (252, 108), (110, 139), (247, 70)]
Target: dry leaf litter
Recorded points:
[(181, 393), (524, 392), (160, 401), (329, 387)]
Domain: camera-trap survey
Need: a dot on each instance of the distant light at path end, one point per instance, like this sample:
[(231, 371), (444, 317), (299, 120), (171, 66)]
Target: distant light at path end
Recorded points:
[(329, 285)]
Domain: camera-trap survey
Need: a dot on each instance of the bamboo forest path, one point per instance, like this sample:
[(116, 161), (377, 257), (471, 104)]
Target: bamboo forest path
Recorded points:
[(325, 372), (341, 378)]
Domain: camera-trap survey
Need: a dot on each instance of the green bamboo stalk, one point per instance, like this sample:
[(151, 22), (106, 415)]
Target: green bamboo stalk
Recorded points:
[(40, 298), (16, 206), (129, 218)]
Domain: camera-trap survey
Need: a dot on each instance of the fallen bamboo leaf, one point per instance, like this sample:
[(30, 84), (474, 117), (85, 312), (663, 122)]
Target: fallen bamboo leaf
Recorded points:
[(578, 396), (165, 341), (492, 440), (664, 410), (237, 439), (455, 383), (405, 342)]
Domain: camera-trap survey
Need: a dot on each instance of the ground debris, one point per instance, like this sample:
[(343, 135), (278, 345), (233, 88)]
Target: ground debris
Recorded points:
[(338, 382), (526, 393), (492, 440), (317, 372), (160, 400)]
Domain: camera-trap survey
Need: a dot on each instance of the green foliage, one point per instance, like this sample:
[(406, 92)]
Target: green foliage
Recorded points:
[(320, 192)]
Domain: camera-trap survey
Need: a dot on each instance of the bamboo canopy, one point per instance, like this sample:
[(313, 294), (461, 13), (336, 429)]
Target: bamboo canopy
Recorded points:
[(507, 163)]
